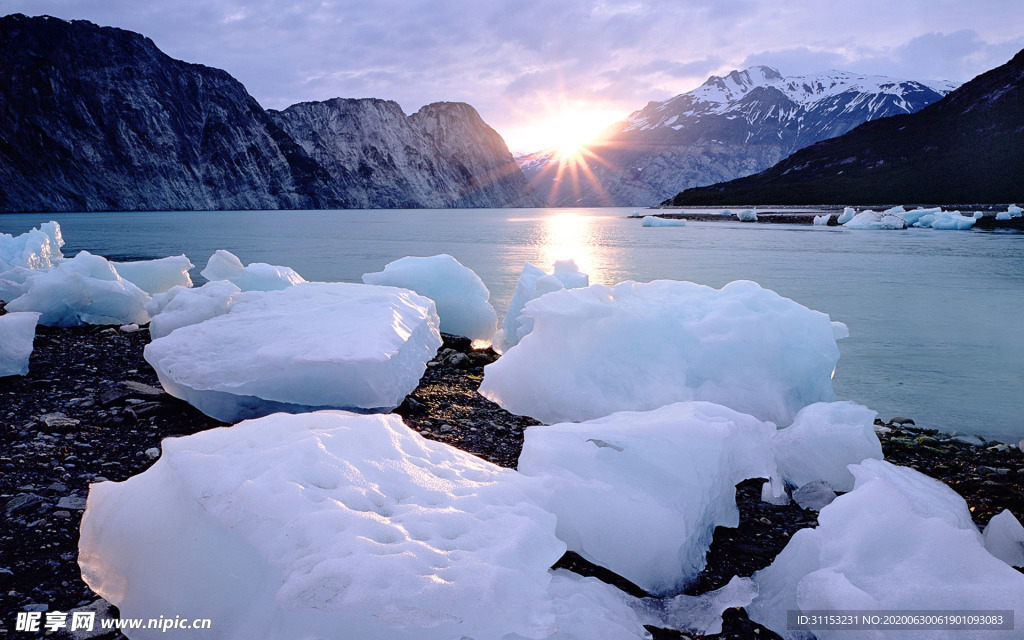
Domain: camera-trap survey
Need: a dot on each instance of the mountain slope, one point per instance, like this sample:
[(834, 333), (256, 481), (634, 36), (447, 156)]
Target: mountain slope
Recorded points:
[(966, 148), (728, 127), (96, 118)]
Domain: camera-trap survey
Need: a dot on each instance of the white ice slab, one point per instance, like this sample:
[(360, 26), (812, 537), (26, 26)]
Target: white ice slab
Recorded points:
[(17, 332)]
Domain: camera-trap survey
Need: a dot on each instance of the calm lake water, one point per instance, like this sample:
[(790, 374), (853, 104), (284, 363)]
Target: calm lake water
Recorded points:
[(935, 316)]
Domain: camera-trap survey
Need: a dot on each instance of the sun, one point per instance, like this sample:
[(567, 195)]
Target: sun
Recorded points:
[(564, 129)]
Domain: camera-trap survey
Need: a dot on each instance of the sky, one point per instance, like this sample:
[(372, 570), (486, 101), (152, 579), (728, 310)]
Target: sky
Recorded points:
[(547, 72)]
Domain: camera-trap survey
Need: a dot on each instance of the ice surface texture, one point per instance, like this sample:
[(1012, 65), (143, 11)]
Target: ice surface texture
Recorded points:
[(83, 290), (634, 346), (258, 276), (17, 331), (459, 294), (641, 493), (332, 525), (312, 345), (532, 284), (899, 541)]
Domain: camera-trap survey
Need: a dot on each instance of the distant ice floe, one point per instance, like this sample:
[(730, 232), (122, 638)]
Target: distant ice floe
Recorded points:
[(822, 220), (900, 218), (655, 221), (533, 283), (460, 295), (17, 331), (312, 345), (900, 541), (597, 350), (747, 215)]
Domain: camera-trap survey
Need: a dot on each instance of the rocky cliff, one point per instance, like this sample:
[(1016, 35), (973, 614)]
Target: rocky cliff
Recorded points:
[(966, 148), (728, 127), (95, 118)]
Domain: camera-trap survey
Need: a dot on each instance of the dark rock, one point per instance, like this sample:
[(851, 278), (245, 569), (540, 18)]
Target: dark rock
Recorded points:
[(22, 503)]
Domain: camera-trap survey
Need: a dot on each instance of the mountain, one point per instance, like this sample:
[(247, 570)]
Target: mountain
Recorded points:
[(442, 156), (966, 148), (96, 118), (728, 127)]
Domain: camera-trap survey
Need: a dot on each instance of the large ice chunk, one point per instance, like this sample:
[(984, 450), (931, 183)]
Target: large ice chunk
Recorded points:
[(635, 346), (182, 306), (847, 215), (1004, 538), (35, 249), (460, 295), (85, 289), (257, 276), (824, 438), (156, 276), (641, 493), (17, 331), (946, 220), (312, 345), (900, 541), (586, 608), (325, 525), (889, 219), (656, 221), (533, 283)]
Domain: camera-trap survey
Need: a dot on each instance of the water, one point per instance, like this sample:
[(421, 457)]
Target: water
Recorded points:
[(935, 317)]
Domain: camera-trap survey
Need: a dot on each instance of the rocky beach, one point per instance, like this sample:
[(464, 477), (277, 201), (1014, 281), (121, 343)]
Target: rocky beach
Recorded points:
[(91, 409)]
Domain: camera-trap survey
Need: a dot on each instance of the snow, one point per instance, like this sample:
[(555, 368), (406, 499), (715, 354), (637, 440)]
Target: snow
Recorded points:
[(824, 438), (17, 331), (182, 306), (332, 525), (461, 297), (877, 220), (899, 541), (597, 350), (1004, 538), (258, 276), (847, 215), (640, 493), (532, 284), (655, 221), (85, 289), (156, 276), (747, 215), (312, 345), (822, 219)]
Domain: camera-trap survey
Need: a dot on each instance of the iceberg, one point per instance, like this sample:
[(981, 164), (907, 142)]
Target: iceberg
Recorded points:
[(822, 220), (156, 276), (312, 345), (900, 541), (35, 249), (533, 283), (655, 221), (890, 219), (823, 440), (640, 493), (847, 215), (17, 332), (747, 215), (946, 220), (597, 350), (1004, 538), (461, 297), (85, 289), (328, 525), (257, 276)]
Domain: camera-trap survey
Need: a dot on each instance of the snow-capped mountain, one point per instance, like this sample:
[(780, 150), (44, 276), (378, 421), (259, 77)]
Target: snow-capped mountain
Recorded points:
[(730, 126)]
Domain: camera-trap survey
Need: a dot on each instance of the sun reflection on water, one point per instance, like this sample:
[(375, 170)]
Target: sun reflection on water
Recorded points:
[(568, 236)]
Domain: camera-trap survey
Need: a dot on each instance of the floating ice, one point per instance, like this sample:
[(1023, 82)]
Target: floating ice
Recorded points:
[(945, 220), (641, 493), (257, 276), (1003, 215), (1014, 211), (85, 289), (655, 221), (847, 215), (156, 276), (914, 215), (890, 219), (17, 331), (329, 525), (899, 541), (533, 283), (461, 297), (701, 614), (635, 346), (822, 219), (824, 438), (747, 215), (316, 344), (1004, 538), (35, 249), (181, 306)]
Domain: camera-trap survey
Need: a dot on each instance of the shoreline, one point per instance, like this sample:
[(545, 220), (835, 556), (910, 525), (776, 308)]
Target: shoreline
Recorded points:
[(91, 408)]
